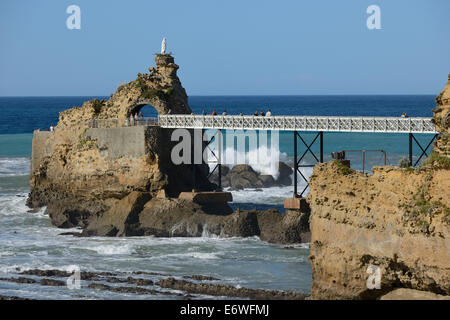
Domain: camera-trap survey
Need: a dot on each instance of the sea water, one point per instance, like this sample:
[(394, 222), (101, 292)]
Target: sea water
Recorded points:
[(29, 241)]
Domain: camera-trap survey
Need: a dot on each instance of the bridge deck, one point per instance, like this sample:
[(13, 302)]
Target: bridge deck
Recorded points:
[(300, 123)]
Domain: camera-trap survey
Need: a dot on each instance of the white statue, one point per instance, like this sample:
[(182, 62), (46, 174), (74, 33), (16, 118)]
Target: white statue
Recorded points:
[(163, 46)]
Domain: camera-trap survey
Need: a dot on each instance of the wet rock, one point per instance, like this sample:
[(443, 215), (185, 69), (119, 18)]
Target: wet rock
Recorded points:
[(243, 176), (201, 277), (267, 180), (2, 297), (227, 290), (291, 227), (19, 280), (52, 282), (284, 178)]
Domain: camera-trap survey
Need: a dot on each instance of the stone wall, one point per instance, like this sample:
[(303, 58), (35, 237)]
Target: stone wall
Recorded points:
[(42, 147), (115, 143)]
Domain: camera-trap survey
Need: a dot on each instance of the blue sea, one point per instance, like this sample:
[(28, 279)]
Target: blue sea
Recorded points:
[(28, 240)]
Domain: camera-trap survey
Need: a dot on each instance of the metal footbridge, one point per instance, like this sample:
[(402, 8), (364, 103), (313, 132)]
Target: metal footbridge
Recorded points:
[(296, 124), (300, 123)]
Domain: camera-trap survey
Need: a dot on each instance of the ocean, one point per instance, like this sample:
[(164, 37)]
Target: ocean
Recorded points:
[(29, 241)]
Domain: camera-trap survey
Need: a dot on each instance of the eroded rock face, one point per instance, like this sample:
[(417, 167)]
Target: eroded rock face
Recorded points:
[(442, 121), (396, 220)]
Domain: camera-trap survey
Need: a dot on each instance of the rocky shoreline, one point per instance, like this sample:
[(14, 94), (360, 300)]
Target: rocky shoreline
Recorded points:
[(151, 284)]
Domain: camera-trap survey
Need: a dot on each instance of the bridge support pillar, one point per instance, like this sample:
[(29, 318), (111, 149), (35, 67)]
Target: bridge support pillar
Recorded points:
[(424, 151), (297, 160), (218, 157)]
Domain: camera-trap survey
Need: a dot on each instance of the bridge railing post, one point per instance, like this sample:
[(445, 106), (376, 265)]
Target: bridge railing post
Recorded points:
[(295, 164), (410, 149)]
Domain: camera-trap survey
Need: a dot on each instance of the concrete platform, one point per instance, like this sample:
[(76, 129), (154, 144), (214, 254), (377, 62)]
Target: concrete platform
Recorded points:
[(296, 204), (207, 197)]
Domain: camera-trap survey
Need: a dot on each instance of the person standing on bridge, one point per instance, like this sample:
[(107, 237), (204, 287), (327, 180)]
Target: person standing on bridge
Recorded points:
[(203, 112), (268, 113), (214, 113), (262, 113), (224, 113), (131, 120), (256, 113)]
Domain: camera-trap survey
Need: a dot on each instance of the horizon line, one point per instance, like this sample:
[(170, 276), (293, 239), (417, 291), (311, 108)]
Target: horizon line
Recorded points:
[(241, 95)]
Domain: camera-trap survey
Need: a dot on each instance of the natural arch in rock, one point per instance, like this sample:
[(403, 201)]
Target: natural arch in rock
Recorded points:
[(148, 111), (161, 88)]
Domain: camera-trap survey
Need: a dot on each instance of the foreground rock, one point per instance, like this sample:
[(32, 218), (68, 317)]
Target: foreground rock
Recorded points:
[(410, 294), (167, 217), (393, 226), (395, 219)]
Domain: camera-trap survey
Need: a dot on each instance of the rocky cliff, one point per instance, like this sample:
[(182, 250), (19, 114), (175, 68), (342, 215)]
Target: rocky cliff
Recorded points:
[(396, 221), (80, 173)]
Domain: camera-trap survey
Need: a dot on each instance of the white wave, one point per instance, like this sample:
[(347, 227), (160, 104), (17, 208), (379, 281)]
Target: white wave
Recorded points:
[(263, 160), (112, 249), (194, 255), (14, 166)]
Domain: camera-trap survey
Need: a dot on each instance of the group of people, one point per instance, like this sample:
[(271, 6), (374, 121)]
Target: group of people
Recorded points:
[(257, 113), (134, 118)]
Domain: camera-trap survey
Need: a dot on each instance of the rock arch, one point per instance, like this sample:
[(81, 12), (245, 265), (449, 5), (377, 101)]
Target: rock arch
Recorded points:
[(161, 88)]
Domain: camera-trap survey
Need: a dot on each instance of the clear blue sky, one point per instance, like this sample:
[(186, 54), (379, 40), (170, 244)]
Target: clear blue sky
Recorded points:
[(226, 47)]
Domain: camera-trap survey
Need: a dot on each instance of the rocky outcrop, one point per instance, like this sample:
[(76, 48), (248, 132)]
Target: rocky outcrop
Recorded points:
[(393, 225), (442, 121), (243, 176), (116, 180), (137, 215), (80, 173), (410, 294), (396, 219)]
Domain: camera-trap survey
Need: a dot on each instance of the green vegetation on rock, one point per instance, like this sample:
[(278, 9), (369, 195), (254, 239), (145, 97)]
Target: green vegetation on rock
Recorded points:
[(97, 105), (437, 161), (342, 168)]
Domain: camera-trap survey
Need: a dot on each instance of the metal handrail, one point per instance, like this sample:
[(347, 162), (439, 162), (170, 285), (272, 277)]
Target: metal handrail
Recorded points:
[(118, 123), (364, 155)]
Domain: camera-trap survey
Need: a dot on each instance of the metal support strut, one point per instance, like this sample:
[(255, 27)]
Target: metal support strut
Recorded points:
[(218, 166), (297, 161), (424, 151)]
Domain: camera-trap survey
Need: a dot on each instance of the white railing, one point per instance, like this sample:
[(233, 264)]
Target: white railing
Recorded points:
[(118, 123), (300, 123)]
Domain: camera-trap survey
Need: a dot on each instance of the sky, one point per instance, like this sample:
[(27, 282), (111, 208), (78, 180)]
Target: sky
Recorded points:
[(232, 47)]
